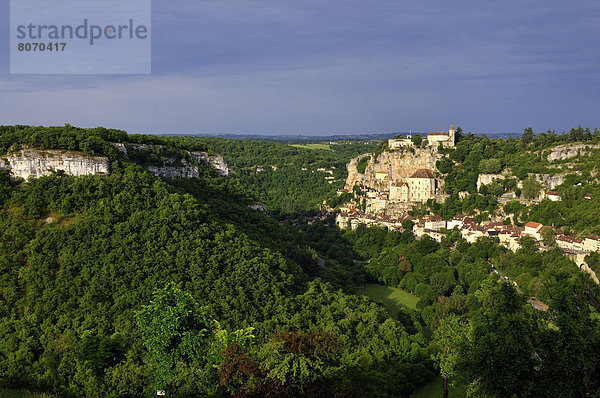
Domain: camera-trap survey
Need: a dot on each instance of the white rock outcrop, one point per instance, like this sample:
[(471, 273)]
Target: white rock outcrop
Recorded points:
[(486, 179), (187, 170), (31, 162), (567, 151)]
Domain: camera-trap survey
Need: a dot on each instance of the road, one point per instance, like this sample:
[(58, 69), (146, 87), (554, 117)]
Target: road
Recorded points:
[(537, 304)]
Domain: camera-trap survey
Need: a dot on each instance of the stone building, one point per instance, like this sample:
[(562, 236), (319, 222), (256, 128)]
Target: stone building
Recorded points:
[(399, 192), (397, 143), (435, 138), (421, 186)]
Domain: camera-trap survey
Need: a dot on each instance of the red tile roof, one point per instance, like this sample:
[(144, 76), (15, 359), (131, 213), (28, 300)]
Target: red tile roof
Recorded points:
[(533, 224), (422, 173)]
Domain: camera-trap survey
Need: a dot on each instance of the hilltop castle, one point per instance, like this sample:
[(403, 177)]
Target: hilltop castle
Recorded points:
[(434, 138)]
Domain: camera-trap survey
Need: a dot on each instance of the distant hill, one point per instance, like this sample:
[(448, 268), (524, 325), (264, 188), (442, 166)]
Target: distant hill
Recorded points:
[(334, 137)]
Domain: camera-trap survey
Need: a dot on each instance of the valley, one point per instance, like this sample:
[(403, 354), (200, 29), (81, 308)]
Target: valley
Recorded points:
[(334, 268)]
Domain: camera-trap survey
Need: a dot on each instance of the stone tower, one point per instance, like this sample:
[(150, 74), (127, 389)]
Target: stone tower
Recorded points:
[(451, 133)]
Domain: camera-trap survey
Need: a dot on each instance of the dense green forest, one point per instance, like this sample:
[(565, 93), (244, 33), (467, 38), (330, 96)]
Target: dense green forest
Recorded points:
[(95, 268), (481, 331), (288, 180), (118, 285)]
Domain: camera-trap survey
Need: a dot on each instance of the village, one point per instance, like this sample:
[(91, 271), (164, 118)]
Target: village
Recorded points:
[(509, 236), (386, 200)]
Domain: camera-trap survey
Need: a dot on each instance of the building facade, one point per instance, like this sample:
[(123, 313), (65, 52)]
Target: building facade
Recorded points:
[(435, 138), (421, 186)]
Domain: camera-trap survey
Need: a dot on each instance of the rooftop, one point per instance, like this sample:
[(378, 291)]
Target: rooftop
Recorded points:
[(422, 173), (533, 224)]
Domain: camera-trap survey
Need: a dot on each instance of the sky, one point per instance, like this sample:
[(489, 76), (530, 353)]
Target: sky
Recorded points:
[(320, 67)]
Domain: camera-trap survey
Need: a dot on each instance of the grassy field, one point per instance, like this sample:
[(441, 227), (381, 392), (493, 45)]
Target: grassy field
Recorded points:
[(433, 389), (391, 298), (313, 146)]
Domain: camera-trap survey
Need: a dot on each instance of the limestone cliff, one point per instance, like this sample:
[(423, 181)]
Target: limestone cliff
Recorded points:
[(30, 162), (390, 166), (549, 181), (186, 169), (567, 151)]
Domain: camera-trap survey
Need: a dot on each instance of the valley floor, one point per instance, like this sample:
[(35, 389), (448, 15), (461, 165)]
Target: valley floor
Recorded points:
[(390, 297)]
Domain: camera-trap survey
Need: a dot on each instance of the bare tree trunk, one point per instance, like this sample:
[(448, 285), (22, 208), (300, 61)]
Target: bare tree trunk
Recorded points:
[(445, 387)]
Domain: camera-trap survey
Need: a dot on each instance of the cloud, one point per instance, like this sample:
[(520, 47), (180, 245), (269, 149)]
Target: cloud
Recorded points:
[(339, 66)]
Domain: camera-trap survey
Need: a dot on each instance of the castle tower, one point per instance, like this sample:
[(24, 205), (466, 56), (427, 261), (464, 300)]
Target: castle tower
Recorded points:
[(451, 133)]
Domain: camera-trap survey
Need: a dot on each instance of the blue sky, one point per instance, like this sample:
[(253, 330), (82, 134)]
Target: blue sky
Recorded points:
[(336, 67)]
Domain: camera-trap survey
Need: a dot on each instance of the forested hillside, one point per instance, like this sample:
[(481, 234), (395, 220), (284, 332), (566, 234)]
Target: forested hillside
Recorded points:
[(289, 178), (120, 284)]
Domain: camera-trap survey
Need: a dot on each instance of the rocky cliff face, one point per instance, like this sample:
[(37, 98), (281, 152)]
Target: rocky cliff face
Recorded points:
[(36, 163), (398, 165), (185, 170), (216, 161), (30, 162), (570, 150), (548, 181), (486, 179)]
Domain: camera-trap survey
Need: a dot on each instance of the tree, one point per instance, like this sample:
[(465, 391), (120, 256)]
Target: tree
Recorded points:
[(99, 353), (447, 339), (490, 166), (445, 165), (416, 140), (548, 236), (527, 137), (531, 188), (362, 164), (528, 243), (408, 225), (499, 358), (174, 329)]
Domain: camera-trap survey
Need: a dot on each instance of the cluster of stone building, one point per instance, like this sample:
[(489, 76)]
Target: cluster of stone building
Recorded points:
[(434, 139), (351, 216), (419, 187), (436, 227)]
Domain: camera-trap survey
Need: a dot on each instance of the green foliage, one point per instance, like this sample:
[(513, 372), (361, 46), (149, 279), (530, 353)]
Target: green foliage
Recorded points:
[(361, 166), (70, 291), (548, 236), (531, 188), (417, 140), (490, 166), (447, 339), (290, 182), (445, 165), (173, 329)]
